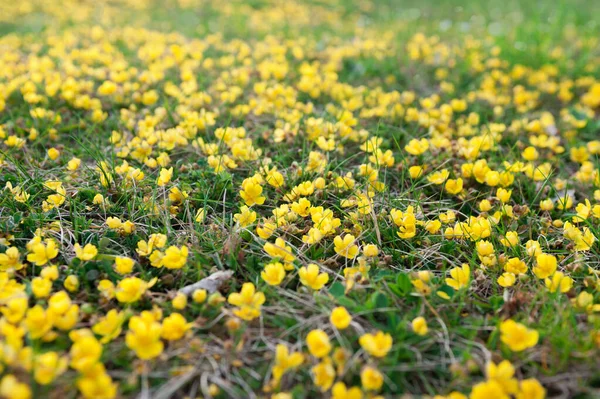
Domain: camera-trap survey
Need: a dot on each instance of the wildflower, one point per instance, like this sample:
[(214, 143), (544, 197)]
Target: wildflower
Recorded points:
[(530, 388), (47, 367), (545, 266), (311, 277), (85, 353), (71, 283), (340, 318), (488, 389), (323, 374), (11, 388), (318, 343), (246, 217), (459, 277), (88, 252), (503, 373), (174, 327), (377, 345), (199, 295), (507, 279), (144, 336), (174, 257), (164, 177), (279, 250), (109, 326), (273, 273), (41, 253), (284, 361), (124, 265), (516, 336), (180, 301), (248, 302), (419, 326), (131, 289), (371, 379), (251, 192), (559, 282), (346, 246)]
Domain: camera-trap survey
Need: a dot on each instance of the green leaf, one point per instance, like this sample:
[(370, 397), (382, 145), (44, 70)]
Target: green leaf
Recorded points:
[(337, 289)]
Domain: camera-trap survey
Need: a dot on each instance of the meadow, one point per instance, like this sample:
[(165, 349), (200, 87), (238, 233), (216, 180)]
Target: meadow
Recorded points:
[(299, 199)]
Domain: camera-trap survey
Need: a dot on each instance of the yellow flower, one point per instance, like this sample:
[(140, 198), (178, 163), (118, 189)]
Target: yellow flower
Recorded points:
[(144, 336), (40, 253), (85, 353), (370, 250), (88, 252), (53, 153), (311, 277), (174, 327), (318, 343), (419, 326), (38, 321), (531, 389), (47, 367), (273, 273), (488, 390), (454, 186), (371, 379), (280, 250), (164, 176), (340, 318), (545, 265), (284, 361), (200, 215), (248, 302), (96, 384), (516, 336), (41, 287), (417, 147), (131, 289), (377, 345), (246, 217), (11, 388), (459, 277), (71, 283), (199, 295), (503, 373), (123, 265), (559, 282), (507, 280), (10, 260), (180, 301), (323, 374), (110, 326), (175, 258), (251, 192), (340, 391), (346, 246)]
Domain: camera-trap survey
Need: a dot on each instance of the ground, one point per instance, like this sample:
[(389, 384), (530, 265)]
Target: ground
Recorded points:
[(303, 198)]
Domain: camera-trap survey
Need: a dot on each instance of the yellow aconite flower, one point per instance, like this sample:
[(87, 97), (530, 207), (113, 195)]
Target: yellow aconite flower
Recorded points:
[(144, 336), (419, 326), (459, 277), (88, 252), (516, 336), (545, 265), (346, 246), (378, 344), (311, 277), (340, 318), (248, 302), (318, 343)]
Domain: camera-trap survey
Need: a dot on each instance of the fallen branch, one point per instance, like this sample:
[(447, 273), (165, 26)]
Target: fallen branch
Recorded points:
[(210, 284)]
